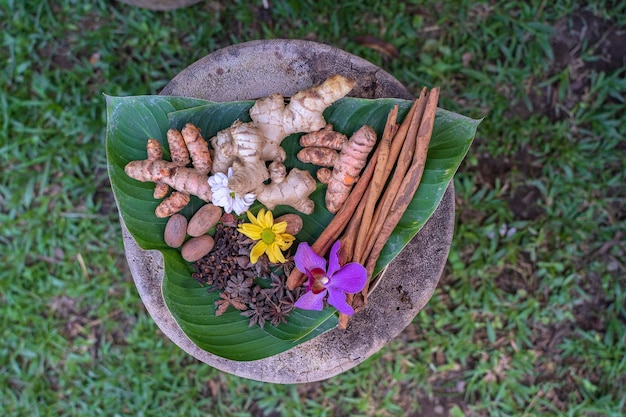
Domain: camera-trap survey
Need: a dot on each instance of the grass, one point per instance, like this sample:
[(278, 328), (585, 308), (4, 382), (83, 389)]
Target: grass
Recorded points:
[(529, 317)]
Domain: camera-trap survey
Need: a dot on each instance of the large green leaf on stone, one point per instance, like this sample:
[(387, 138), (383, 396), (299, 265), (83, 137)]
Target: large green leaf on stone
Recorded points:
[(132, 120)]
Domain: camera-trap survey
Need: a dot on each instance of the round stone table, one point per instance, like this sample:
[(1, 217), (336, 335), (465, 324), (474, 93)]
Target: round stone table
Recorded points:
[(257, 69)]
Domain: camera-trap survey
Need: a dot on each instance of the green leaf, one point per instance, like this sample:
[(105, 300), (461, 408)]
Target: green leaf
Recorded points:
[(132, 120)]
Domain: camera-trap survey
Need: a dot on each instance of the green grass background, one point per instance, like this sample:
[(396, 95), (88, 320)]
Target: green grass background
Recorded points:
[(529, 317)]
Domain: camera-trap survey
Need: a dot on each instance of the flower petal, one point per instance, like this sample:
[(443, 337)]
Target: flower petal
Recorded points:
[(240, 205), (279, 227), (266, 219), (221, 195), (284, 241), (311, 301), (251, 230), (220, 199), (228, 208), (218, 180), (337, 299), (221, 192), (253, 219), (307, 260), (249, 198), (333, 258), (274, 253), (257, 251), (351, 278)]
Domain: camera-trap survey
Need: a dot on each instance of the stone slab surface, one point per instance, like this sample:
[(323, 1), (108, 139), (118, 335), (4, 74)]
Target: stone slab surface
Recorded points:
[(244, 72)]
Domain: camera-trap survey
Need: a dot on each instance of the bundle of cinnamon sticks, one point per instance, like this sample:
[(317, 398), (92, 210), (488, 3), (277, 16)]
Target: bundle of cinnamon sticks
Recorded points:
[(381, 196)]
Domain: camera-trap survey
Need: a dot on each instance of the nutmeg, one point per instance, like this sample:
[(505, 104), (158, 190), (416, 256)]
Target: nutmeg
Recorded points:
[(196, 247), (175, 230), (204, 219), (294, 223)]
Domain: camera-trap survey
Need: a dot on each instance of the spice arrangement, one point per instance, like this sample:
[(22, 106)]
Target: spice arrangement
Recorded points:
[(284, 212), (245, 163), (246, 155)]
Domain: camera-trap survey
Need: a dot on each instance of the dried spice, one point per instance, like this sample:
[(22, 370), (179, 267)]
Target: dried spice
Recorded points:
[(258, 290), (256, 314), (223, 262)]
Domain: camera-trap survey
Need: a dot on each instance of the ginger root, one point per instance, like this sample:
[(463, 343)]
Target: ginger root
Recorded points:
[(304, 113), (293, 191), (246, 147), (240, 147), (347, 163)]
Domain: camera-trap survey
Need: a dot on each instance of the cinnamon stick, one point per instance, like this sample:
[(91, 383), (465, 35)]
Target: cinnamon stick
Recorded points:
[(410, 182), (377, 183), (360, 222), (401, 133), (350, 233), (405, 147)]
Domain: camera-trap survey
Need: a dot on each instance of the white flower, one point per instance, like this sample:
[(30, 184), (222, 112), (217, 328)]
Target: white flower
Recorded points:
[(224, 197)]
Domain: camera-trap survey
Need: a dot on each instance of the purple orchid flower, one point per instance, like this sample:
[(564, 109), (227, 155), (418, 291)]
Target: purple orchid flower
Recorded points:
[(336, 281)]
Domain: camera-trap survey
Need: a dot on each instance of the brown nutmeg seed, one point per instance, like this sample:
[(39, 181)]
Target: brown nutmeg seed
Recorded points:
[(294, 223), (204, 219), (196, 247), (175, 231)]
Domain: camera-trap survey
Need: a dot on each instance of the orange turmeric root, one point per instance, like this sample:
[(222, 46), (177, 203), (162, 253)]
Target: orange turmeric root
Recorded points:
[(178, 152), (178, 149), (182, 179), (323, 175), (155, 152), (185, 145), (167, 174), (352, 159), (326, 138), (198, 148), (172, 204), (321, 149), (317, 155)]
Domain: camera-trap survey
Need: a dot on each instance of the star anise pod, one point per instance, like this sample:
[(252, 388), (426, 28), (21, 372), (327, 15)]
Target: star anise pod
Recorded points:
[(262, 266), (227, 300), (287, 266), (277, 312), (239, 286), (278, 284), (257, 296), (290, 297), (256, 314)]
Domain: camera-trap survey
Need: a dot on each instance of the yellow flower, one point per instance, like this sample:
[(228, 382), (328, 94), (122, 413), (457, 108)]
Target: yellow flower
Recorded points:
[(271, 236)]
